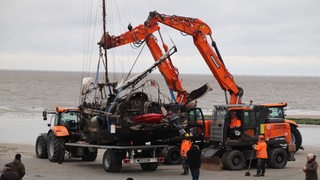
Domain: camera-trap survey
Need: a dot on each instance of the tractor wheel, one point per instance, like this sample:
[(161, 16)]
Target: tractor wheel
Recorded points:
[(111, 161), (296, 137), (277, 158), (172, 155), (233, 160), (41, 147), (149, 166), (56, 148), (88, 155)]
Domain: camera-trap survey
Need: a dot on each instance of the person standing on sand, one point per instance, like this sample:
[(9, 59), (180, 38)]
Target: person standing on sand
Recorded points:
[(8, 173), (262, 156), (184, 148), (311, 167), (18, 166), (194, 160)]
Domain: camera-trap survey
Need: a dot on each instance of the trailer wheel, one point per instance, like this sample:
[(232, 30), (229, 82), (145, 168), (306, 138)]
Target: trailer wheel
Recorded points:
[(41, 147), (233, 160), (89, 155), (296, 137), (111, 161), (277, 158), (172, 155), (56, 148), (149, 166)]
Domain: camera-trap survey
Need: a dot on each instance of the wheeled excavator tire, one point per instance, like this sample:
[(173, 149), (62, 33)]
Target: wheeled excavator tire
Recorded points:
[(233, 160), (277, 158), (296, 137)]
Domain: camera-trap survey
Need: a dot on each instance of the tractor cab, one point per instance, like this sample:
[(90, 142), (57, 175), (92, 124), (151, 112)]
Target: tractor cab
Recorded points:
[(67, 117)]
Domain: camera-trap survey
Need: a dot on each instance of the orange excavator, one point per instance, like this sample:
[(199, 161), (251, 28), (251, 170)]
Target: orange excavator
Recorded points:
[(266, 119), (199, 30), (256, 119)]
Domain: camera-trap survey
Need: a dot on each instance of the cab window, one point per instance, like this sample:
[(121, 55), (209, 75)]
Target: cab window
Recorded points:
[(54, 120), (275, 112), (195, 115), (249, 119), (69, 119)]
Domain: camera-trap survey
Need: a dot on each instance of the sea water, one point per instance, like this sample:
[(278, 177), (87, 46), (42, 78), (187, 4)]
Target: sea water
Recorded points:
[(25, 94)]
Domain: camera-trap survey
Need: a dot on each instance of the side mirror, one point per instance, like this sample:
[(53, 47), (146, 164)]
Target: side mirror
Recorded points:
[(44, 115)]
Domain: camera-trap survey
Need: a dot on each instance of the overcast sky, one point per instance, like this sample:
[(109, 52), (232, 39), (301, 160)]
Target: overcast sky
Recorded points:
[(265, 37)]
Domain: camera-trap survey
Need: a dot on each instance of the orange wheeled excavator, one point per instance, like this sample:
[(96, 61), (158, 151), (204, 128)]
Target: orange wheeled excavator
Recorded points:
[(233, 148)]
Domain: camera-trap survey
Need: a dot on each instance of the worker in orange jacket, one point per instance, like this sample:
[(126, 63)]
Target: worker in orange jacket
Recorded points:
[(235, 125), (235, 122), (185, 146), (262, 155)]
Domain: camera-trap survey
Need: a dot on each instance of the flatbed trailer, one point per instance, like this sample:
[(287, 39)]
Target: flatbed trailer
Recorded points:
[(147, 156)]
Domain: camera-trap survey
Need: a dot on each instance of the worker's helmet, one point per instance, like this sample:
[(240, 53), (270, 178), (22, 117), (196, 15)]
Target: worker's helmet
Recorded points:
[(261, 137), (187, 135)]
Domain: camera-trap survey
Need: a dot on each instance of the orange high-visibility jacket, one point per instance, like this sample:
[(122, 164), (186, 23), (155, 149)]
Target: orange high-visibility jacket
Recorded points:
[(185, 146), (261, 149), (235, 122)]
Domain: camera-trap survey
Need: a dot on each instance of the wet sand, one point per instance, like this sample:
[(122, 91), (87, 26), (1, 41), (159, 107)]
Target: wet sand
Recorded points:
[(78, 170)]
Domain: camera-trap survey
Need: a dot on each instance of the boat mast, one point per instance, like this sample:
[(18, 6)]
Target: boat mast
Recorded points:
[(105, 39)]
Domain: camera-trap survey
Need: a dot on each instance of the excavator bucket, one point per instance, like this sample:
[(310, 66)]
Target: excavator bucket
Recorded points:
[(197, 93), (211, 163), (209, 159)]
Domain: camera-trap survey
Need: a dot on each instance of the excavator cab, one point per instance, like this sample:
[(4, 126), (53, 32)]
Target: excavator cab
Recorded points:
[(196, 123), (254, 121), (225, 131)]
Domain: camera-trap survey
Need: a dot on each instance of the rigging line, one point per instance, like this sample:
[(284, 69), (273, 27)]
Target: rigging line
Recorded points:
[(144, 44), (86, 22), (128, 14), (93, 35), (84, 44), (153, 5), (88, 37), (116, 17)]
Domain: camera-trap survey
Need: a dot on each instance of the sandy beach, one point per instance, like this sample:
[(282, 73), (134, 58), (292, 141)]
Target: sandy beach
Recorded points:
[(77, 169)]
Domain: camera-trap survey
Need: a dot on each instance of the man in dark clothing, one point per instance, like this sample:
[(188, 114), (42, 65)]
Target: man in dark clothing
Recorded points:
[(18, 166), (194, 160), (9, 173)]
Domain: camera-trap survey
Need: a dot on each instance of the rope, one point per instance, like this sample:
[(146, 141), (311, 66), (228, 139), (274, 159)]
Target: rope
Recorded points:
[(144, 44)]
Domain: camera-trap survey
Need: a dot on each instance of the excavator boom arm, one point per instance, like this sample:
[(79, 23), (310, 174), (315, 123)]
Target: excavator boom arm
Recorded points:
[(166, 68), (198, 30), (184, 24)]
